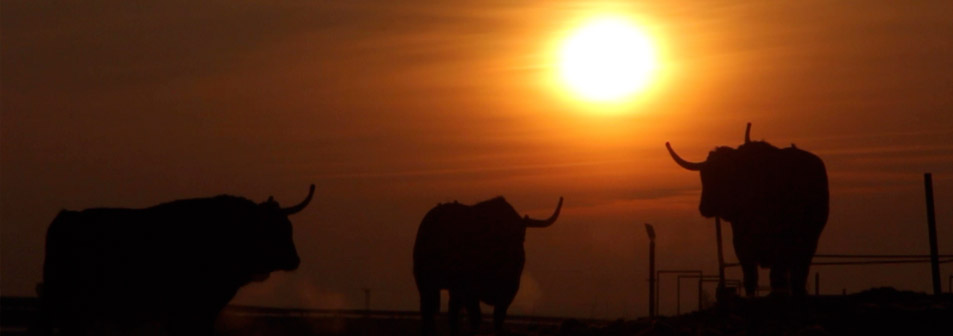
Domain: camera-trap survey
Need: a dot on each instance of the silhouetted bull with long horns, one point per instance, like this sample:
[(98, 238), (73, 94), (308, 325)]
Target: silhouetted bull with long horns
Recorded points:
[(777, 203), (164, 270), (476, 253)]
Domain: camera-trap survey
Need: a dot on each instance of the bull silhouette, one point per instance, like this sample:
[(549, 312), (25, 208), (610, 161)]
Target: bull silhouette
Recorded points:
[(164, 270), (476, 253), (776, 200)]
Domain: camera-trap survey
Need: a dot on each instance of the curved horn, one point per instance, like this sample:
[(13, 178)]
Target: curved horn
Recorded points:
[(693, 166), (295, 209), (748, 133), (529, 222)]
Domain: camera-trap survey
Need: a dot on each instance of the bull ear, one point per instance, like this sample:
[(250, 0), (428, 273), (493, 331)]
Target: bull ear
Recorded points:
[(529, 222), (295, 209)]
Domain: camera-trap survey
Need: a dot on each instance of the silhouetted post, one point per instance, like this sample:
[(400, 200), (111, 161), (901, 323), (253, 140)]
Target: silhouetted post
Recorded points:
[(367, 301), (817, 284), (701, 278), (700, 292), (678, 295), (651, 233), (721, 260), (931, 225)]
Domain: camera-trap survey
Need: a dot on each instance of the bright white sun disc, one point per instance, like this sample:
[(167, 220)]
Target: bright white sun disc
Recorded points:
[(607, 60)]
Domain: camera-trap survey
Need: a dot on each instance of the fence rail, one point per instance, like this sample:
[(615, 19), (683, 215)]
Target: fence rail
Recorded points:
[(906, 259), (394, 314), (898, 256), (18, 312)]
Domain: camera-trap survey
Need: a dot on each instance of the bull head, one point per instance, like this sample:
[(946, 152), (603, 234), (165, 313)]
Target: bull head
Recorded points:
[(275, 248), (722, 175)]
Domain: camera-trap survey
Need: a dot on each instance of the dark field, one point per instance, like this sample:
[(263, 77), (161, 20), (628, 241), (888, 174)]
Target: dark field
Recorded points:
[(882, 311)]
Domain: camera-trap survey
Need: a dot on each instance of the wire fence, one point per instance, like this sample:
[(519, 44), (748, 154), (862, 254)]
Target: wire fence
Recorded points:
[(892, 259)]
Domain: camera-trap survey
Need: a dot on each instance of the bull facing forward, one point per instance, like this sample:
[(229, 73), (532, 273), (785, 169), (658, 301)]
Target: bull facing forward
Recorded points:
[(476, 253), (164, 270), (777, 202)]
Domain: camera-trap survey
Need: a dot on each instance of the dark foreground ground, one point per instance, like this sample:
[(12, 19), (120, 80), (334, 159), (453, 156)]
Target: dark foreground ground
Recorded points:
[(882, 311)]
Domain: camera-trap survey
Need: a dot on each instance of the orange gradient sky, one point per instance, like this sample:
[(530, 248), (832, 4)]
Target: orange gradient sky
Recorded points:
[(391, 107)]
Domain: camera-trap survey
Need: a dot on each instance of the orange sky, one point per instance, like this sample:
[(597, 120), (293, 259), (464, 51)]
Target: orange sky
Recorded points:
[(392, 107)]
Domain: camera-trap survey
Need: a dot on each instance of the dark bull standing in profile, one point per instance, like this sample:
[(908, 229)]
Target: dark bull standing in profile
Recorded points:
[(777, 202), (476, 253), (164, 270)]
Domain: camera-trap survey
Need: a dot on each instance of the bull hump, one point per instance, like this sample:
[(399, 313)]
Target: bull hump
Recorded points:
[(495, 203)]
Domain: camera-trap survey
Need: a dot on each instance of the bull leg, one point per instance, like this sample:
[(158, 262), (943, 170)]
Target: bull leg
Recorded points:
[(799, 273), (499, 314), (453, 312), (429, 305), (473, 310), (801, 267), (750, 272)]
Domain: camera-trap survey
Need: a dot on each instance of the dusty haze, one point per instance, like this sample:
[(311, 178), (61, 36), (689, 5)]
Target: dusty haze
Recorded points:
[(390, 108)]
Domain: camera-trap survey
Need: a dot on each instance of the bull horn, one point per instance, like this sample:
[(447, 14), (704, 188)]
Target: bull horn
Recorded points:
[(295, 209), (748, 133), (693, 166), (544, 223)]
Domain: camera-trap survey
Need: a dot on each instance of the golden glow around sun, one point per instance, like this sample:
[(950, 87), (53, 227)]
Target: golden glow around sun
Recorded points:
[(607, 60)]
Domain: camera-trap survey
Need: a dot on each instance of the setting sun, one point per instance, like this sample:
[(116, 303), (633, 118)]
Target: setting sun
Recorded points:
[(607, 60)]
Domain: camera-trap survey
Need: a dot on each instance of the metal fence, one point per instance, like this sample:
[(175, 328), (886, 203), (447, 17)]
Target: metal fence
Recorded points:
[(934, 258)]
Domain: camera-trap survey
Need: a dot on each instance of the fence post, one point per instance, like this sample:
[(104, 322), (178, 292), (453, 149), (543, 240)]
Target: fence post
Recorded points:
[(651, 233), (931, 226), (720, 291), (367, 301), (678, 295), (700, 278)]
